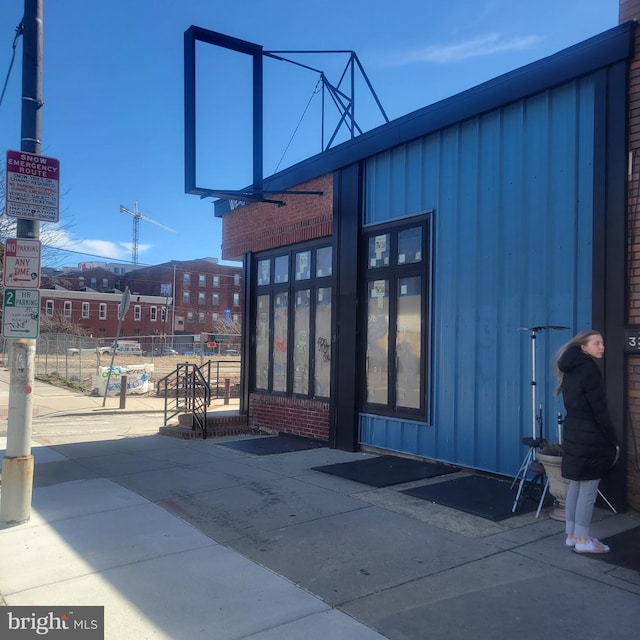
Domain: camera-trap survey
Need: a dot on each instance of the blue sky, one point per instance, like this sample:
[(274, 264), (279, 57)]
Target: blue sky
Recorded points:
[(113, 93)]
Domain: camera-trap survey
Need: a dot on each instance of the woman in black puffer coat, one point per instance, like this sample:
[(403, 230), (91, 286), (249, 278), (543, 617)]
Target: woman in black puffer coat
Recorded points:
[(589, 442)]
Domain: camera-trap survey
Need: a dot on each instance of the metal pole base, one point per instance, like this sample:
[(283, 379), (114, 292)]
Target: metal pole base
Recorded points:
[(17, 487)]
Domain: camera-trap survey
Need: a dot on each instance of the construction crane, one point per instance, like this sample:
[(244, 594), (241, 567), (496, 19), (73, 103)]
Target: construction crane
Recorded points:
[(137, 216)]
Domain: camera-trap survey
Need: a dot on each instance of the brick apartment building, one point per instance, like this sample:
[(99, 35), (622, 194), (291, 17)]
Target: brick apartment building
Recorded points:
[(207, 300), (207, 295)]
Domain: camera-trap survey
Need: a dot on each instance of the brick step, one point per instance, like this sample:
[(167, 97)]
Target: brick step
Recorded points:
[(219, 423)]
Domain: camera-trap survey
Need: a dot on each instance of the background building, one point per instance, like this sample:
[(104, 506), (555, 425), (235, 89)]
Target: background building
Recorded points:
[(207, 303)]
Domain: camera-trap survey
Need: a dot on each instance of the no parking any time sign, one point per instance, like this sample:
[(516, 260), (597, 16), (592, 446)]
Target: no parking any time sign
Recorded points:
[(22, 263)]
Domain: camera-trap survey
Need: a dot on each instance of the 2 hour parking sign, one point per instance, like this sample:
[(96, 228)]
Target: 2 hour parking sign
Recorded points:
[(21, 313)]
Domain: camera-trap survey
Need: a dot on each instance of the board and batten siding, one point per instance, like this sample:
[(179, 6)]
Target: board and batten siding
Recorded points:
[(512, 198)]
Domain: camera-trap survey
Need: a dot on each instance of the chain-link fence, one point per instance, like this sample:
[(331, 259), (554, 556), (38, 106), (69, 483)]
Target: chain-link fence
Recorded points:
[(76, 361)]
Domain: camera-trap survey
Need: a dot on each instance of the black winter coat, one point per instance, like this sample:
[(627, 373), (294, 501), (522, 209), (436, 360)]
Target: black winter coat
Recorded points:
[(589, 439)]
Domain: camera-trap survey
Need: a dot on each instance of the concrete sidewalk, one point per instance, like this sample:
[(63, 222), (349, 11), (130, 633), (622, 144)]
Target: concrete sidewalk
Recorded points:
[(193, 539), (49, 400)]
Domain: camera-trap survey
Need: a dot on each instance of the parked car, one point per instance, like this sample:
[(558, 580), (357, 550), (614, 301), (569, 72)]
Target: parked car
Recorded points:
[(231, 352), (126, 347), (164, 351), (73, 351)]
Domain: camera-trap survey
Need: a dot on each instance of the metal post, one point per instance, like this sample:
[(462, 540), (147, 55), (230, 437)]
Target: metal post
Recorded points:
[(17, 465), (123, 392), (124, 307), (533, 384), (173, 308)]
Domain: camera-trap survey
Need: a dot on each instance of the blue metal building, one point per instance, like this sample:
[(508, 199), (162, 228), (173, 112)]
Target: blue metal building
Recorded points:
[(462, 225)]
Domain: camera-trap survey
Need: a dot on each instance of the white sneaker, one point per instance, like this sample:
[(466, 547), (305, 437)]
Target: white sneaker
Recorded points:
[(591, 545), (570, 542)]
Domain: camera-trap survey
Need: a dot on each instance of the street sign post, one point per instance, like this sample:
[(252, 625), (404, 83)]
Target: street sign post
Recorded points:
[(22, 263), (124, 304), (33, 186), (21, 313)]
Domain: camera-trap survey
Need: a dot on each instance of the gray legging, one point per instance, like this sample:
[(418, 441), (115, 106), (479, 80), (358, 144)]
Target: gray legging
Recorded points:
[(581, 497)]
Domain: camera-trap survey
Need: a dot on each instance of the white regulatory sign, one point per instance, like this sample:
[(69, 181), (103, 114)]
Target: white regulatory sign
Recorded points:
[(22, 263), (21, 313), (33, 186)]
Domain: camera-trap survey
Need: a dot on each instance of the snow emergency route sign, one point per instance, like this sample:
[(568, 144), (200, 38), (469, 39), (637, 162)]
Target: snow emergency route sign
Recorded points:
[(21, 313), (22, 263), (33, 186)]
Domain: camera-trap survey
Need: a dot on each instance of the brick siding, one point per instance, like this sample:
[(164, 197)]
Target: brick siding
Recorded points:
[(630, 10), (260, 226), (297, 416)]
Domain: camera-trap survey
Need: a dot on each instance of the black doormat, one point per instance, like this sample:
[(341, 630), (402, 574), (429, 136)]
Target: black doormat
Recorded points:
[(384, 471), (482, 496), (270, 445), (625, 550)]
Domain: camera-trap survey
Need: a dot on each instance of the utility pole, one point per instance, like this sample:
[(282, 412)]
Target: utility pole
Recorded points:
[(17, 465)]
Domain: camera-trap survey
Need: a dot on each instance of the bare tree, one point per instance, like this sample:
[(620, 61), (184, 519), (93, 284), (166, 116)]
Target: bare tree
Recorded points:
[(59, 324)]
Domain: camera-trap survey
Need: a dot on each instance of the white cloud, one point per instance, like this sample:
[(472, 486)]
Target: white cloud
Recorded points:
[(60, 239), (489, 44)]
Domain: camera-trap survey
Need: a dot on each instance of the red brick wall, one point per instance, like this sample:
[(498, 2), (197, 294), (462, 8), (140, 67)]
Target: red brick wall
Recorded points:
[(630, 10), (298, 416), (260, 226)]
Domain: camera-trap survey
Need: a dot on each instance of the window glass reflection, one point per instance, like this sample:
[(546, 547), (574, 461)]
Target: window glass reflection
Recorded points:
[(301, 335), (409, 342), (378, 251), (264, 272), (280, 346), (281, 270), (324, 258), (410, 245), (322, 373), (303, 265), (262, 342), (377, 365)]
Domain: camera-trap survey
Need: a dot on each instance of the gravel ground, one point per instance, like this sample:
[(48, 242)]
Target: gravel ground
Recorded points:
[(82, 368)]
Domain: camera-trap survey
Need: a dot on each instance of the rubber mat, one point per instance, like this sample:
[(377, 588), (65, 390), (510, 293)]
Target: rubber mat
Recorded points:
[(273, 444), (483, 496), (387, 470)]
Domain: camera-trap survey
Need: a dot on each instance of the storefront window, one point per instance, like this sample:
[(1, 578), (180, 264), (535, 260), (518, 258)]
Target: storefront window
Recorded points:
[(408, 342), (395, 364), (293, 322), (322, 371), (264, 272), (262, 342), (410, 245), (303, 265), (379, 251), (301, 345), (280, 341), (324, 266), (282, 269), (378, 342)]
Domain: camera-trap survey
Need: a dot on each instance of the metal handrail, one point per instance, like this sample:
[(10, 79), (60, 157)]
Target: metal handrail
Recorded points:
[(201, 391), (187, 390)]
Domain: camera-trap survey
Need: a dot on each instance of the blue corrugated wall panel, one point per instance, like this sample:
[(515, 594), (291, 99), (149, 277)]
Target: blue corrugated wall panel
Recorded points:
[(511, 192)]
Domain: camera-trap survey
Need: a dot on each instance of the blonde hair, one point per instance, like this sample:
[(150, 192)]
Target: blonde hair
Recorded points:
[(578, 340)]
